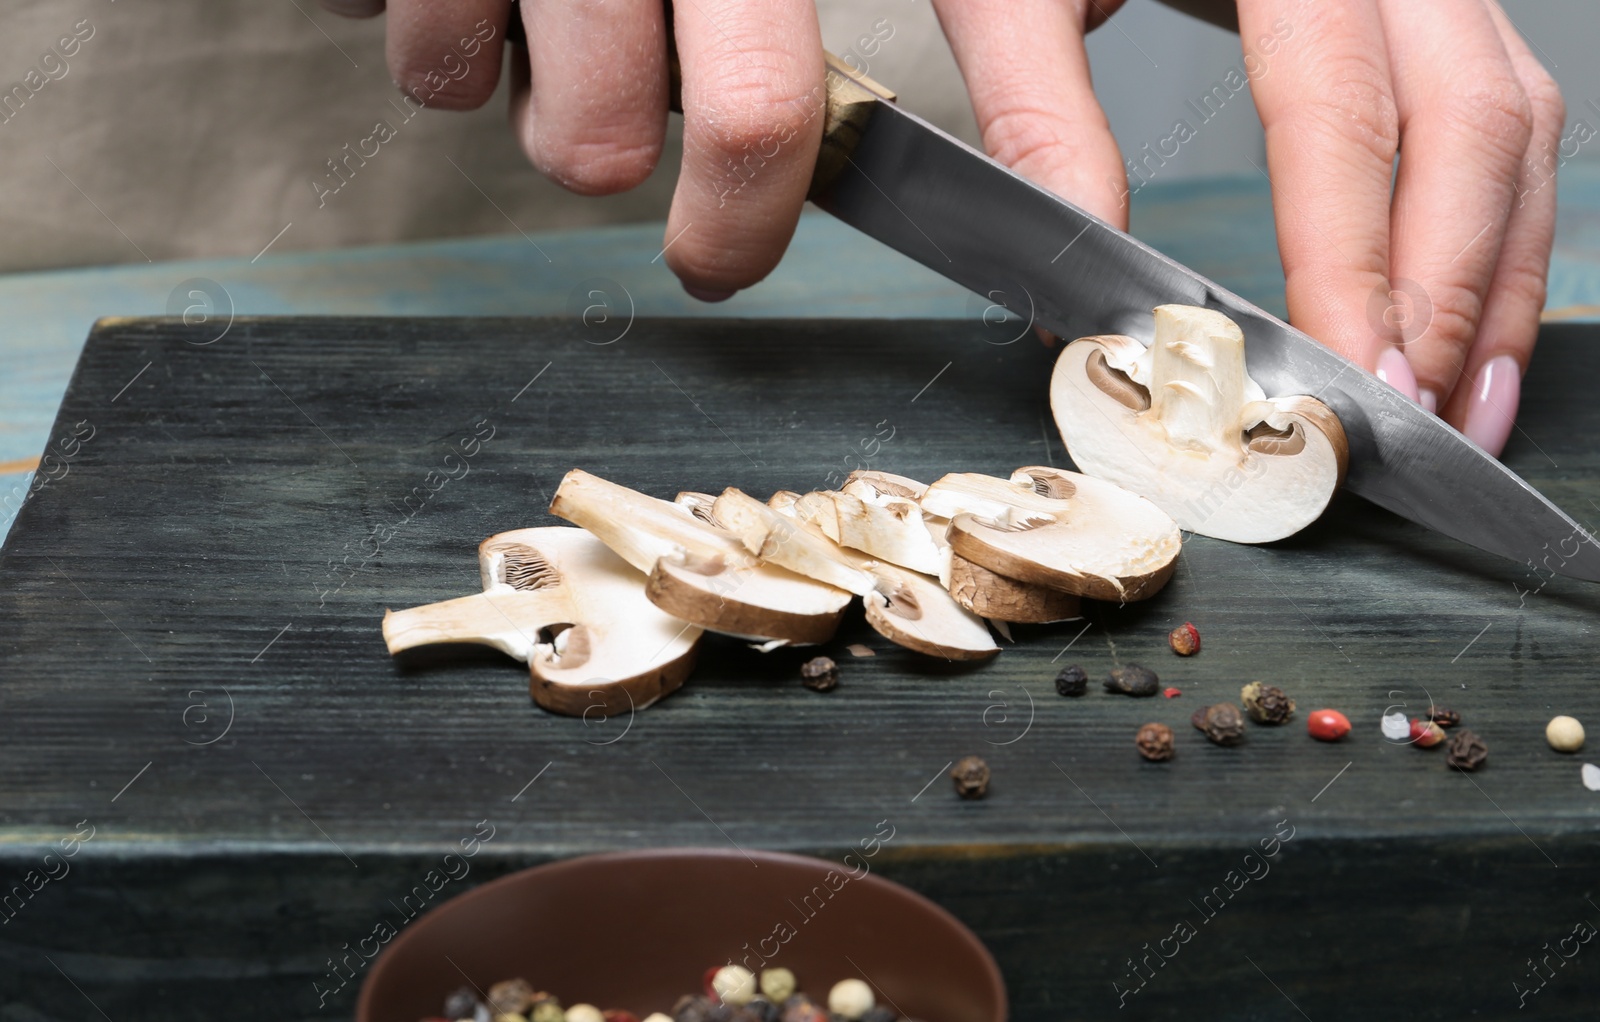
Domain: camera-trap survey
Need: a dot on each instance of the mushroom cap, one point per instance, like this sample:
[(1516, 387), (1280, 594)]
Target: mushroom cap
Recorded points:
[(698, 571), (1284, 459), (576, 613), (909, 609), (1059, 529)]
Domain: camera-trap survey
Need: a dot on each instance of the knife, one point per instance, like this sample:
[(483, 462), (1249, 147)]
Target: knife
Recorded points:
[(899, 179)]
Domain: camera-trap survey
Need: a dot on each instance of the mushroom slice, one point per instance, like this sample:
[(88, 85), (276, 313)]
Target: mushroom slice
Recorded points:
[(698, 572), (1182, 423), (575, 612), (919, 542), (905, 607), (1059, 529)]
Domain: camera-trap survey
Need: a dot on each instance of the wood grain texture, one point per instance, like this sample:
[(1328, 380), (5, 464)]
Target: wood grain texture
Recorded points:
[(193, 556)]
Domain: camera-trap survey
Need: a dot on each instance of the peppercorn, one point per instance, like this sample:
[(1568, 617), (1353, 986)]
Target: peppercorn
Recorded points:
[(1443, 717), (1184, 639), (619, 1015), (1133, 680), (762, 1010), (733, 983), (1425, 734), (696, 1008), (777, 985), (1222, 723), (1154, 742), (1266, 704), (462, 1003), (658, 1016), (1327, 725), (881, 1014), (800, 1008), (744, 1013), (819, 674), (510, 997), (851, 998), (972, 777), (1072, 681), (584, 1013), (1467, 751), (546, 1009), (1564, 734), (510, 1016)]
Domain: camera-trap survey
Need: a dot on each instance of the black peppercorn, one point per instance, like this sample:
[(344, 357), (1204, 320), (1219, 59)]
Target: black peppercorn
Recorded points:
[(1443, 717), (1154, 742), (764, 1010), (819, 674), (801, 1008), (462, 1003), (1266, 704), (1072, 681), (509, 997), (1222, 723), (880, 1014), (697, 1008), (972, 777), (1133, 680), (1466, 750)]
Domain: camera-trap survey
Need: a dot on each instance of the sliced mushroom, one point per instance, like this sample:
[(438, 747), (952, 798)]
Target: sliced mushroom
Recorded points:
[(905, 607), (576, 613), (898, 538), (1182, 423), (1059, 529), (699, 572)]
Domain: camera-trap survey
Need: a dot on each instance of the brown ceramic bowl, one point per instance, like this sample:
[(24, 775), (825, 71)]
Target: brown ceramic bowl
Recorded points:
[(637, 930)]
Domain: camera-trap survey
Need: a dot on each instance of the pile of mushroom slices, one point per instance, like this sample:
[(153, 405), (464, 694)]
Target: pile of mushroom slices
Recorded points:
[(608, 615)]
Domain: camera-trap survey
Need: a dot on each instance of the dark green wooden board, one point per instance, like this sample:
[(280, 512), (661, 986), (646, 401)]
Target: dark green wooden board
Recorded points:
[(190, 556)]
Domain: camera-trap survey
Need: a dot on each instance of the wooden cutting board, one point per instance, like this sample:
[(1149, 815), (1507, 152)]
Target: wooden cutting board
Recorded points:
[(192, 664)]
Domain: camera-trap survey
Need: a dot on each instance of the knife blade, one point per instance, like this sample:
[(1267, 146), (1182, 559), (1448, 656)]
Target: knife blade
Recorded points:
[(937, 200)]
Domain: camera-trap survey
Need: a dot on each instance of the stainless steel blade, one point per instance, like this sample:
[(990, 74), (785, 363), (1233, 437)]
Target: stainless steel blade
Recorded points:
[(946, 205)]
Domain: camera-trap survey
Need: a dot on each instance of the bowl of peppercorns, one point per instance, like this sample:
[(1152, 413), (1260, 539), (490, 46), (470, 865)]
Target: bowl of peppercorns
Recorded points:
[(687, 935)]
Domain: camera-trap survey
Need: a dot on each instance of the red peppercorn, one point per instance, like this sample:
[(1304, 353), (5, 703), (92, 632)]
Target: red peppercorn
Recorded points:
[(711, 991), (1425, 734), (618, 1015), (1327, 725), (1184, 639), (1172, 693)]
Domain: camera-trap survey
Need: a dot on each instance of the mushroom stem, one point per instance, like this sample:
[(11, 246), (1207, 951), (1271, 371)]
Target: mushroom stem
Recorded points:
[(1197, 378)]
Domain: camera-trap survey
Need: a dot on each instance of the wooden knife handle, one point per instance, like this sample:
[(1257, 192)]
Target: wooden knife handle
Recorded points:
[(846, 100)]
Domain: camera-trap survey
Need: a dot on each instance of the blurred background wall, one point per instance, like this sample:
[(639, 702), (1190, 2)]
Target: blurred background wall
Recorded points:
[(192, 128)]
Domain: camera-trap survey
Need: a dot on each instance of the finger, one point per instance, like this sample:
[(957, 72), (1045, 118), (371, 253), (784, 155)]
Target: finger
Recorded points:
[(1484, 404), (1465, 126), (753, 110), (596, 115), (1028, 75), (447, 55), (1331, 128), (354, 8)]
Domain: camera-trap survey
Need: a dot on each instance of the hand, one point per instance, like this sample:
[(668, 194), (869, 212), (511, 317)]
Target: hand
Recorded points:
[(589, 104)]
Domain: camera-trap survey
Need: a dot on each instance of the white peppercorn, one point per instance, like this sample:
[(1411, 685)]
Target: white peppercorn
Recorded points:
[(1564, 734), (851, 998), (735, 984), (584, 1013), (658, 1017), (777, 985), (548, 1010)]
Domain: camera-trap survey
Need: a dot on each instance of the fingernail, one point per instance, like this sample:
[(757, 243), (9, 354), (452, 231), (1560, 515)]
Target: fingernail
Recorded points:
[(706, 294), (1492, 408), (1394, 370), (1428, 400)]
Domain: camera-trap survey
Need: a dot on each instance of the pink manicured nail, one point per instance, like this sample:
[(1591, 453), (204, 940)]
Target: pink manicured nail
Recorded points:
[(1394, 370), (1428, 400), (708, 294), (1492, 408)]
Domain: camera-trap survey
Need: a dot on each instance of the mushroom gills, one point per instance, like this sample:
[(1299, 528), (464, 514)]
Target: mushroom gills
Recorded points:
[(699, 572), (576, 613), (1182, 423)]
